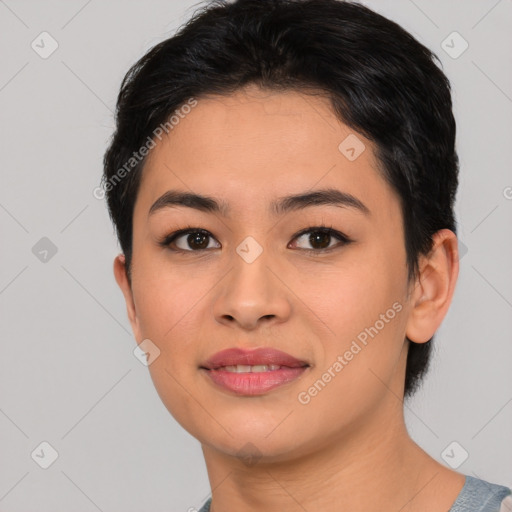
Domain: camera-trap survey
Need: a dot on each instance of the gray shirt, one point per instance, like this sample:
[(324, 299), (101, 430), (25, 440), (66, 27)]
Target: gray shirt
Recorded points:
[(476, 496)]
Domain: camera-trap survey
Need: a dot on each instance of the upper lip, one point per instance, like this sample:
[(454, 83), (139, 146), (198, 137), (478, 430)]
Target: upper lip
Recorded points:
[(259, 356)]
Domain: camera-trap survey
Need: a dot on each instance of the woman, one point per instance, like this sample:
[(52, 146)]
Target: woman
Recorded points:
[(282, 181)]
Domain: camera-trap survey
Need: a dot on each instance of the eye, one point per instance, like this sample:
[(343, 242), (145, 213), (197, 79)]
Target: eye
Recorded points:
[(188, 240), (196, 239), (320, 237)]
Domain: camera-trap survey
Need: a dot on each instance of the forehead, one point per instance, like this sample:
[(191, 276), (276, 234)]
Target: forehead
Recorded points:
[(256, 145)]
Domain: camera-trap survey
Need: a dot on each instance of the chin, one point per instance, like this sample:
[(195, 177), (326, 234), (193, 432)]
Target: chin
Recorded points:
[(252, 450)]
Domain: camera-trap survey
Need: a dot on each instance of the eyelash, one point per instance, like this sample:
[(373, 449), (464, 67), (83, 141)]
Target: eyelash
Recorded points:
[(344, 240)]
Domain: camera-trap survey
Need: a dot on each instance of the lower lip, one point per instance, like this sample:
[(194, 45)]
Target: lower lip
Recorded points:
[(254, 383)]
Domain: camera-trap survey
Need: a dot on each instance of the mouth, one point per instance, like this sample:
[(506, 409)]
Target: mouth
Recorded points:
[(254, 372)]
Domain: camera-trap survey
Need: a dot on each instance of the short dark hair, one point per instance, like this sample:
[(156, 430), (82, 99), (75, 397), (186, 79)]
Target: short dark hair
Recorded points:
[(380, 81)]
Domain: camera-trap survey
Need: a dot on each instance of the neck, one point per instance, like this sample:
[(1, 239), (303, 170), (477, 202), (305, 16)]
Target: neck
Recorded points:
[(375, 466)]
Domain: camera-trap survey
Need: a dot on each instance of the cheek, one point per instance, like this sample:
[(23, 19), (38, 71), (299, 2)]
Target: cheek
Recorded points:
[(167, 311), (359, 368), (348, 299), (363, 317), (167, 298)]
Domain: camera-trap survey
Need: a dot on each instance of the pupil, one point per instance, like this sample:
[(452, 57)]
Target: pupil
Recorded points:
[(200, 241), (320, 237), (196, 237)]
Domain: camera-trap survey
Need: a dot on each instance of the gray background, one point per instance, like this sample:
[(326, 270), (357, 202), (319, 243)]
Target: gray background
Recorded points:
[(68, 375)]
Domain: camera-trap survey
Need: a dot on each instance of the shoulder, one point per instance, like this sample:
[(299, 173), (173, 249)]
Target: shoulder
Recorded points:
[(476, 496), (481, 496), (206, 506)]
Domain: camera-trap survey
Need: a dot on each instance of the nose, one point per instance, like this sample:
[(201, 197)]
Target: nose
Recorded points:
[(252, 294)]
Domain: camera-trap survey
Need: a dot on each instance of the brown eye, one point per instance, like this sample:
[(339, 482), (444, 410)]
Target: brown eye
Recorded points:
[(197, 240), (320, 238), (189, 240)]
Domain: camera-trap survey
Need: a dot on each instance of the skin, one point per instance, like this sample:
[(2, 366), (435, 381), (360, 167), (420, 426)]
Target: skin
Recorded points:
[(348, 448)]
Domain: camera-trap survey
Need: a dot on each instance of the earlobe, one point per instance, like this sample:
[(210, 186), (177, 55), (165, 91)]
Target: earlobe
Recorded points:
[(125, 286), (434, 287)]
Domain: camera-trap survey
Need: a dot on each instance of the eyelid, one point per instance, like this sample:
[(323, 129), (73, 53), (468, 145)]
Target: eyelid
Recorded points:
[(171, 237), (343, 239)]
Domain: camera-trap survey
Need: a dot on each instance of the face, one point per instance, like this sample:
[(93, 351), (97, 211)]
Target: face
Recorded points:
[(254, 275)]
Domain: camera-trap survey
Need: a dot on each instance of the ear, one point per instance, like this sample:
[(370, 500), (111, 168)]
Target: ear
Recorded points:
[(124, 283), (434, 287)]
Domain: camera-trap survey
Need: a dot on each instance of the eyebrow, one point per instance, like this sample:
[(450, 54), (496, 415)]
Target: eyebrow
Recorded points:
[(282, 205)]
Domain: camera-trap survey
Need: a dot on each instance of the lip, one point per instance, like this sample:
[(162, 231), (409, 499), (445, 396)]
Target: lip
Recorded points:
[(266, 355), (253, 383)]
